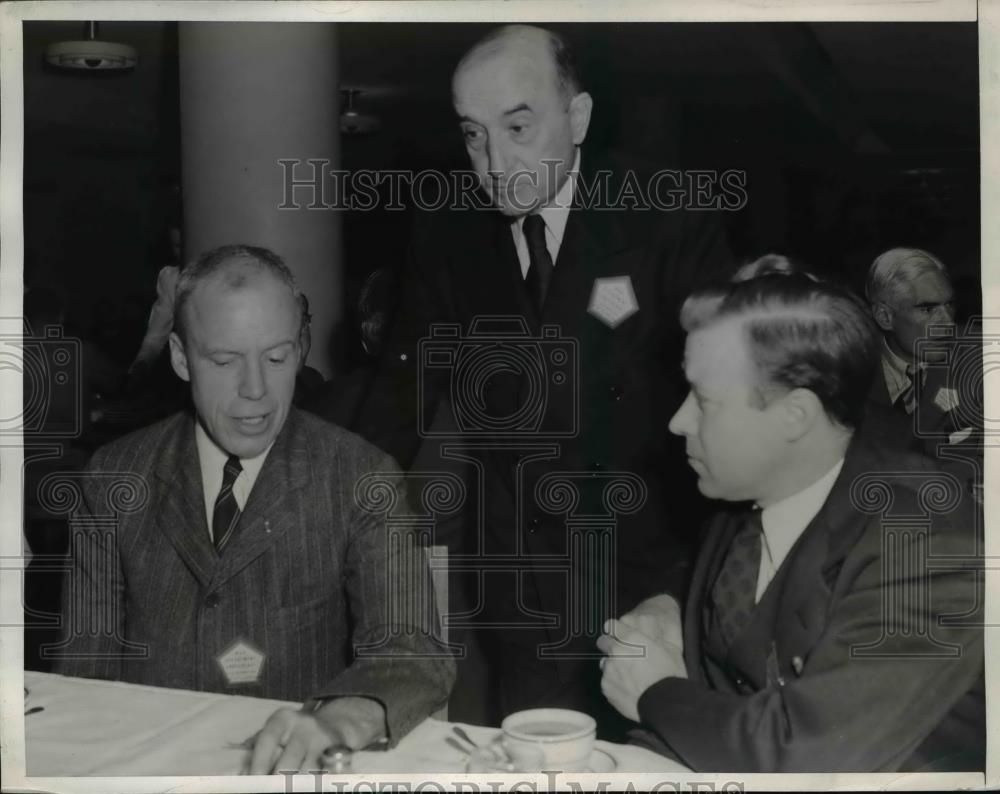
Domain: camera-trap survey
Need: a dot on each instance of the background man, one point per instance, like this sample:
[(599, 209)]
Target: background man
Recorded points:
[(788, 658), (607, 279), (912, 299), (250, 568)]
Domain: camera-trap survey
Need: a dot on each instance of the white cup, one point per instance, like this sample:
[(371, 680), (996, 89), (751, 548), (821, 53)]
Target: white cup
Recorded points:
[(565, 737)]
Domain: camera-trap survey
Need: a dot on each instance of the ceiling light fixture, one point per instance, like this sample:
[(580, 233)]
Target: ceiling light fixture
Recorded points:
[(91, 54), (352, 120)]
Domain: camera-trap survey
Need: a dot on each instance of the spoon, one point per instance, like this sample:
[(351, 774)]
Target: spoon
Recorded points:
[(463, 735)]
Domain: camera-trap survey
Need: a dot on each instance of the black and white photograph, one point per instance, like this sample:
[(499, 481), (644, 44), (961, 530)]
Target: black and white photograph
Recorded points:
[(490, 396)]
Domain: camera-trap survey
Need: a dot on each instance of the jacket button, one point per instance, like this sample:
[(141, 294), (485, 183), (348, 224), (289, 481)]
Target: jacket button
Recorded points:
[(212, 600), (616, 392)]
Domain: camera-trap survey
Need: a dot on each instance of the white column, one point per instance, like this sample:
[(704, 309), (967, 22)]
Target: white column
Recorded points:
[(253, 94)]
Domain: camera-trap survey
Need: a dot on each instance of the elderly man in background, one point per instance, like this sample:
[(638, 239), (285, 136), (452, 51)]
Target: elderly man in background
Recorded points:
[(815, 632), (251, 568), (934, 393)]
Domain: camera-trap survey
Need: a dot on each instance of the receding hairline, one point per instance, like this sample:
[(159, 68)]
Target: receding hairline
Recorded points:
[(243, 271), (514, 40)]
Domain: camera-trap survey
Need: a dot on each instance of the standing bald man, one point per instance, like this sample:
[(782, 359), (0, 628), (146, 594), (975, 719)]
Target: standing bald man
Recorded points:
[(571, 382)]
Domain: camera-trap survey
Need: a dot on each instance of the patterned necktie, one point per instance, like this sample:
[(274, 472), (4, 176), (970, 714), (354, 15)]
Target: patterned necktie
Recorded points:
[(907, 399), (735, 590), (227, 512), (540, 267)]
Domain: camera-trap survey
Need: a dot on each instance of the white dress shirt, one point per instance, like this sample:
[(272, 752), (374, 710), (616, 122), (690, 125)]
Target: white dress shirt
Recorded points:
[(213, 460), (785, 521), (555, 216)]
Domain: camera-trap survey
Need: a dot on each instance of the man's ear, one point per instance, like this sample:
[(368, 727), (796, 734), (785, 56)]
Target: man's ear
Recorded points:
[(883, 314), (801, 408), (178, 358), (580, 108)]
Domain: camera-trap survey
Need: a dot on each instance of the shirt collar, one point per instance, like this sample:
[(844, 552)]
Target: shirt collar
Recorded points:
[(213, 458), (894, 368), (785, 521), (556, 213)]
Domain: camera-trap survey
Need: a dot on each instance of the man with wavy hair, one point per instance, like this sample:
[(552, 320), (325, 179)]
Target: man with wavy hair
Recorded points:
[(818, 635)]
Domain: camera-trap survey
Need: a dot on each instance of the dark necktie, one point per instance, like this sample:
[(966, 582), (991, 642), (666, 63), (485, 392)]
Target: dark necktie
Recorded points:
[(540, 268), (907, 399), (227, 512), (735, 590)]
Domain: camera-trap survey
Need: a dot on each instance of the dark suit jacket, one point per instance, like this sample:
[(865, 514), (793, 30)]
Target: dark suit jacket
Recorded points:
[(946, 404), (843, 666), (603, 398), (305, 578)]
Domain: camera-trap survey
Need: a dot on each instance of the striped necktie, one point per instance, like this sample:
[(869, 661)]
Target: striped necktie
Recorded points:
[(226, 514), (907, 399)]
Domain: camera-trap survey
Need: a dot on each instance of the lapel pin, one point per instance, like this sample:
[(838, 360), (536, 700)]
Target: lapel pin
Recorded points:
[(797, 665)]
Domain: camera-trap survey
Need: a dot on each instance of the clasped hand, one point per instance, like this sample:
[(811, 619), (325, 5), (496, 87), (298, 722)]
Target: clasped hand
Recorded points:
[(643, 647)]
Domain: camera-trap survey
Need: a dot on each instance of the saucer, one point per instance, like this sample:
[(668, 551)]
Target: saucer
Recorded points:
[(600, 761)]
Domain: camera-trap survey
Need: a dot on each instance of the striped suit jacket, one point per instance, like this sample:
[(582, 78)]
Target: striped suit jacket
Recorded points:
[(305, 580)]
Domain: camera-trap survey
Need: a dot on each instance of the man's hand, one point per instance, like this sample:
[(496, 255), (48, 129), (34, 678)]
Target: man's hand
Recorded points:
[(659, 617), (295, 740), (626, 674)]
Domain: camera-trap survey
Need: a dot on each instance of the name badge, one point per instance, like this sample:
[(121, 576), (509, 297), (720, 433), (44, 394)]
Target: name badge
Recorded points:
[(612, 300), (946, 399), (241, 663)]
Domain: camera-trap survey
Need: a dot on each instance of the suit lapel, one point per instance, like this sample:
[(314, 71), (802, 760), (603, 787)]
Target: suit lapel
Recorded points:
[(181, 514), (266, 515), (880, 391), (591, 240), (812, 565)]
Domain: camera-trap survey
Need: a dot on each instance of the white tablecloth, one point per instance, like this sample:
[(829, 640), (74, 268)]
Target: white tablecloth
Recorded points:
[(107, 728)]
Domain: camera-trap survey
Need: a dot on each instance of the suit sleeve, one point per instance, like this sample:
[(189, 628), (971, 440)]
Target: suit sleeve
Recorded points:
[(397, 659), (391, 406), (851, 709), (93, 598)]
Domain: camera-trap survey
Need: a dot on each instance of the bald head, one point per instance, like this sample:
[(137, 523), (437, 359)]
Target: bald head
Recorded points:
[(546, 50), (521, 114)]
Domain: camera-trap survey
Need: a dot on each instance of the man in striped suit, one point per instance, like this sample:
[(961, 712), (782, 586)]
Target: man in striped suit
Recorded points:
[(247, 563)]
